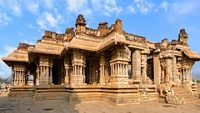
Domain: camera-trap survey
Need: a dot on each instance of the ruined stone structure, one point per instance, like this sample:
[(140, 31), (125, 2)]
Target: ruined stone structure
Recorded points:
[(103, 64)]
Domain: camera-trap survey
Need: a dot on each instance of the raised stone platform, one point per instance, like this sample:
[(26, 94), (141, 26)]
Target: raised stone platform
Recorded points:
[(130, 94)]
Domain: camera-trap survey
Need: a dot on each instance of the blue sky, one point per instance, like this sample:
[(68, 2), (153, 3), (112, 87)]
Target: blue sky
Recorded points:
[(26, 20)]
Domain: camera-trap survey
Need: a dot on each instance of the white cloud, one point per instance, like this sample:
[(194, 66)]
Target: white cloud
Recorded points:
[(33, 7), (76, 5), (4, 19), (49, 3), (131, 9), (16, 8), (79, 6), (11, 6), (49, 19), (182, 9), (144, 6), (164, 5), (107, 7), (31, 26)]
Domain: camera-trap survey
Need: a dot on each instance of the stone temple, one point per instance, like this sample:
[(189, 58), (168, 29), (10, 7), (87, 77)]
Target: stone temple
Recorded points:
[(104, 64)]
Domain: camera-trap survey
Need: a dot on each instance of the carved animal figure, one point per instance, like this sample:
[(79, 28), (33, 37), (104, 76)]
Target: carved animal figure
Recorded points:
[(165, 86)]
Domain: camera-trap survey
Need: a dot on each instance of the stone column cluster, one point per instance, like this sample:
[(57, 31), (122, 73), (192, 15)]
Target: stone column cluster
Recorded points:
[(19, 76), (119, 72), (186, 74), (44, 70), (78, 68), (119, 66), (139, 65), (78, 74), (44, 74)]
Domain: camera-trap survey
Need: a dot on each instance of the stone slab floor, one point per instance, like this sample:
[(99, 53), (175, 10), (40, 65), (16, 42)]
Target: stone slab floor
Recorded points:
[(20, 105)]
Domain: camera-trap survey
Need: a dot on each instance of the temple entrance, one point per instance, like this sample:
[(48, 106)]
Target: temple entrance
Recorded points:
[(32, 72), (92, 70), (57, 71)]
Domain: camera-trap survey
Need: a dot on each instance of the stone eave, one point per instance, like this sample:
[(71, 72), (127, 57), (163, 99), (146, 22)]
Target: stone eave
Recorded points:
[(12, 60), (181, 47), (113, 39), (105, 47), (76, 47), (151, 45), (42, 52), (9, 62), (134, 46), (83, 42), (48, 47), (16, 56), (191, 54)]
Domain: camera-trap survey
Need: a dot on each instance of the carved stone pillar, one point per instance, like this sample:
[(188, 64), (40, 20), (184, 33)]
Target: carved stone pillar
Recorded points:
[(19, 72), (157, 69), (62, 75), (120, 56), (37, 75), (102, 70), (78, 60), (187, 74), (67, 77), (107, 68), (23, 75), (190, 74), (14, 76), (136, 65), (44, 71), (174, 70), (184, 75), (185, 70), (20, 77), (50, 72), (144, 68), (168, 69)]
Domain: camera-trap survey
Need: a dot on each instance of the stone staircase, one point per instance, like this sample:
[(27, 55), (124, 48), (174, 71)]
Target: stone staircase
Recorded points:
[(183, 92)]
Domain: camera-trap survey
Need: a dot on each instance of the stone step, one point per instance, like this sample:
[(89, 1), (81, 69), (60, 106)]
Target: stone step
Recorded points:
[(183, 92)]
